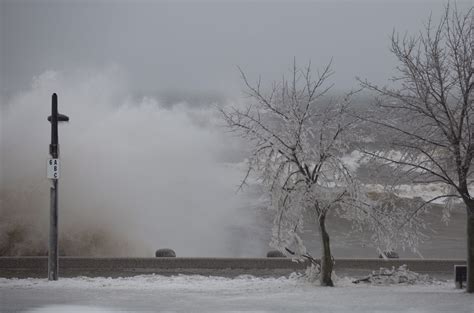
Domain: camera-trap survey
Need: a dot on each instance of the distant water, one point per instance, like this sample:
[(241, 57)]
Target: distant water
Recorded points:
[(447, 241)]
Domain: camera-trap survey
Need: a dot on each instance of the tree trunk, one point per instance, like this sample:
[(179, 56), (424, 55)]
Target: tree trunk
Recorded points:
[(326, 257), (470, 248)]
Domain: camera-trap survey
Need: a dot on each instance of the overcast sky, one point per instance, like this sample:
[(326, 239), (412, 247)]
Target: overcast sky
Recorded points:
[(196, 46)]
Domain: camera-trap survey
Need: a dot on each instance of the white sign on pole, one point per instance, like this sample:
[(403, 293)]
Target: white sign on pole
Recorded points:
[(53, 168)]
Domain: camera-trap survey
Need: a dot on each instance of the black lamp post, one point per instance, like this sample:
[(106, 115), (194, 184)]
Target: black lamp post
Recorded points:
[(53, 222)]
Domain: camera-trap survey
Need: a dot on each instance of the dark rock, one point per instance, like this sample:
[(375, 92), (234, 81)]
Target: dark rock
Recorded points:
[(275, 254), (389, 254), (165, 253)]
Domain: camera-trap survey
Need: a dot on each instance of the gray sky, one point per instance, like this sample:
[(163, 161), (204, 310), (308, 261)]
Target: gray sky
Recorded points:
[(196, 46)]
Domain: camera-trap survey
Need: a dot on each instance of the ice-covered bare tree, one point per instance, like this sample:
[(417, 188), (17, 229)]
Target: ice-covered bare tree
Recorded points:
[(298, 138), (429, 115)]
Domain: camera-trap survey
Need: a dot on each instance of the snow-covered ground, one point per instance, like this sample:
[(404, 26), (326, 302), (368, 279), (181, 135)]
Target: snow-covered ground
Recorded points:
[(152, 293)]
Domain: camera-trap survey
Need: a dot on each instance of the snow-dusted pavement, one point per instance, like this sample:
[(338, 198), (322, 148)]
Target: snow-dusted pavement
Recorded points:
[(151, 293)]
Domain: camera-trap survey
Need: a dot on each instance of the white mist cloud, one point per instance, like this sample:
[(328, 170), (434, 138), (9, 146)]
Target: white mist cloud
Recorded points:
[(135, 176)]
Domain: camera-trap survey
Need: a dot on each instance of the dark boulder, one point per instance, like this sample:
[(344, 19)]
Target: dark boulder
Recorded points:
[(165, 253), (275, 254), (389, 255)]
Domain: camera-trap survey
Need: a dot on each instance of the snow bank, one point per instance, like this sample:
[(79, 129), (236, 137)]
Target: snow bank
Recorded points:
[(205, 283), (154, 282), (69, 309), (401, 275)]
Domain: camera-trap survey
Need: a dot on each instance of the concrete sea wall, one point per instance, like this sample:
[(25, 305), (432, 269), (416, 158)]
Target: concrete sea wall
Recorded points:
[(22, 267)]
